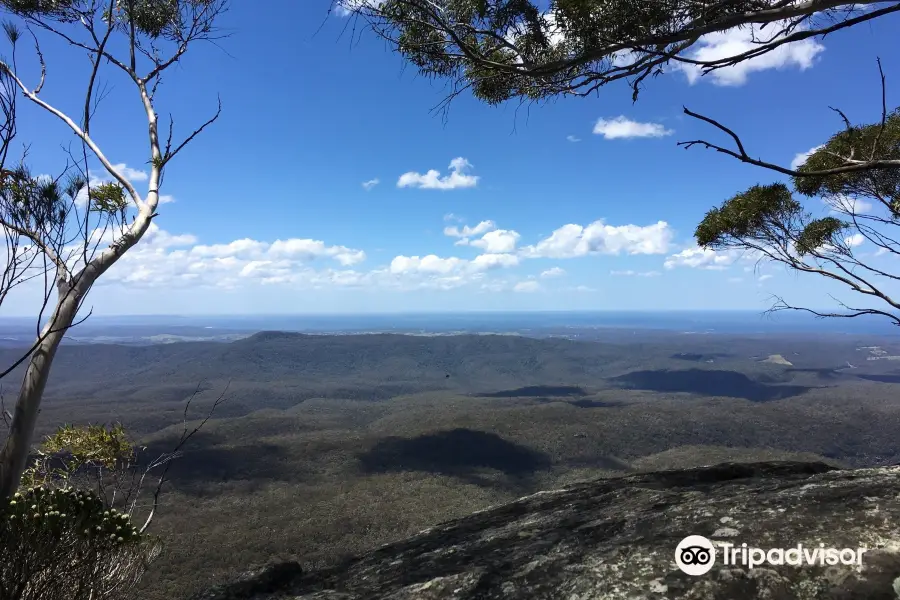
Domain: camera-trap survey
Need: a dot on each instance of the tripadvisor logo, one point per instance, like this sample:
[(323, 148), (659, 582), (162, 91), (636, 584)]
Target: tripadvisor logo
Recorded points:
[(696, 555)]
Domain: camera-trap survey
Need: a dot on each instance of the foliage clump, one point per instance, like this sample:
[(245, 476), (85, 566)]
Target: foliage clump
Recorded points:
[(59, 513), (856, 175), (32, 203), (868, 142), (153, 18), (750, 214), (537, 49), (108, 197), (59, 540), (71, 450)]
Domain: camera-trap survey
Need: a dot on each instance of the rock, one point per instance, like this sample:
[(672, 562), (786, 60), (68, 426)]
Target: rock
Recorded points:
[(615, 539)]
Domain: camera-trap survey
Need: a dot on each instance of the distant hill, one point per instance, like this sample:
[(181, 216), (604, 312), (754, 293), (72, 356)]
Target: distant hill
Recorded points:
[(471, 361)]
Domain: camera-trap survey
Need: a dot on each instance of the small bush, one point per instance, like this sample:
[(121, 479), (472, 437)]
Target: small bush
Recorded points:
[(66, 543)]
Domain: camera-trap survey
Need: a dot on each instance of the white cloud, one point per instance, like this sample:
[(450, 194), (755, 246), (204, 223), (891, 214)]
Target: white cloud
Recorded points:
[(527, 287), (573, 139), (129, 173), (583, 288), (163, 259), (630, 273), (572, 240), (735, 280), (457, 178), (703, 258), (433, 264), (766, 277), (500, 241), (166, 199), (622, 127), (466, 231), (426, 264), (721, 44), (484, 262), (553, 272), (368, 185), (855, 240), (801, 157)]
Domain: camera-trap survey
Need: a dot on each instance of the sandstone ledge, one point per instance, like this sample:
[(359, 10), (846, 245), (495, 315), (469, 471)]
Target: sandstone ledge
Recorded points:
[(615, 539)]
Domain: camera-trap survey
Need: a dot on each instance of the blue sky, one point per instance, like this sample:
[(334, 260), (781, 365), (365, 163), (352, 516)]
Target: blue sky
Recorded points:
[(270, 214)]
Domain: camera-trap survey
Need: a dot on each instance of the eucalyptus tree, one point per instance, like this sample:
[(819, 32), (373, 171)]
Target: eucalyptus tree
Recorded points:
[(65, 232)]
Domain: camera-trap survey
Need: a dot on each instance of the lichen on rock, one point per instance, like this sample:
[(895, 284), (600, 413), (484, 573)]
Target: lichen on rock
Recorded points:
[(615, 539)]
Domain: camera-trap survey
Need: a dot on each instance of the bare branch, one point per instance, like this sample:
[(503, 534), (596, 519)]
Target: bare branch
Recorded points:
[(185, 436), (851, 165), (170, 154)]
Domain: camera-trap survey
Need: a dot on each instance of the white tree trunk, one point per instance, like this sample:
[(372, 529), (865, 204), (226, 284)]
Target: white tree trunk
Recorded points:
[(14, 456)]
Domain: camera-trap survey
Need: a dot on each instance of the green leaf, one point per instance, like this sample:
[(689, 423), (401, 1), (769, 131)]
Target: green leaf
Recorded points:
[(758, 213)]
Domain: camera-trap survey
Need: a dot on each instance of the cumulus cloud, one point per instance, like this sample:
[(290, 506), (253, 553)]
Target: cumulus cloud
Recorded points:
[(553, 272), (801, 157), (721, 44), (128, 173), (499, 241), (433, 264), (527, 287), (426, 264), (466, 231), (163, 259), (435, 272), (702, 258), (855, 240), (622, 127), (573, 240), (457, 178), (368, 185), (485, 262)]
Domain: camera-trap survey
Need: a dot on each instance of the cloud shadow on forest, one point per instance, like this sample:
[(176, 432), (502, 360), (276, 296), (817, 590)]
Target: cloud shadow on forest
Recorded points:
[(707, 383), (459, 452)]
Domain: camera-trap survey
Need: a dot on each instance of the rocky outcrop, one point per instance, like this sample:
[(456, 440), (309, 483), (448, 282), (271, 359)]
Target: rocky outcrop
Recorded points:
[(616, 539)]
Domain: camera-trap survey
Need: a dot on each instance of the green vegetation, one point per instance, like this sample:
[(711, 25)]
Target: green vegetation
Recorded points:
[(329, 446), (530, 50), (59, 538), (768, 221)]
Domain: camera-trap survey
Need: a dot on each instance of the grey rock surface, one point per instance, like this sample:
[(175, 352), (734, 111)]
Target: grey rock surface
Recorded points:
[(615, 539)]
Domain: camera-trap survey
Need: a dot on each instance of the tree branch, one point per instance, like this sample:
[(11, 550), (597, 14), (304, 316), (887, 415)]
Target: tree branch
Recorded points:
[(741, 155), (185, 436), (169, 154), (78, 132)]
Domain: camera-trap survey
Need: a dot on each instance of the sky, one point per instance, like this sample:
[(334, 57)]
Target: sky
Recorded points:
[(329, 185)]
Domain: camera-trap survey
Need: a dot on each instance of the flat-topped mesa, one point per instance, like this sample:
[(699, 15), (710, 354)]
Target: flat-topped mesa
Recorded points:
[(615, 539)]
